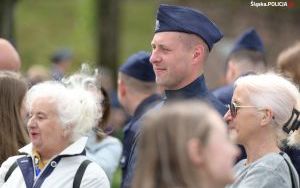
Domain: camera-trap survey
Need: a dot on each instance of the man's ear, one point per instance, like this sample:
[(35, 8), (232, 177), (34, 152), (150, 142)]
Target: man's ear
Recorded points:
[(231, 72), (195, 151), (198, 54), (122, 88)]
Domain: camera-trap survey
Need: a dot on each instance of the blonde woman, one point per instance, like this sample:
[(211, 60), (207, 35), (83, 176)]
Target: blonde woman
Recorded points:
[(184, 145)]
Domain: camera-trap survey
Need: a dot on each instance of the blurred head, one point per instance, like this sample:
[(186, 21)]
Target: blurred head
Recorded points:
[(12, 113), (242, 62), (184, 145), (36, 74), (58, 115), (136, 80), (62, 58), (247, 55), (9, 57), (263, 104), (288, 63)]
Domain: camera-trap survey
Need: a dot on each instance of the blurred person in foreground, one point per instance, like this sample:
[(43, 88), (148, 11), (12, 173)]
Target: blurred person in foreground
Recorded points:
[(246, 57), (184, 145), (58, 119), (288, 63), (9, 57), (137, 93), (103, 149), (13, 133), (263, 117)]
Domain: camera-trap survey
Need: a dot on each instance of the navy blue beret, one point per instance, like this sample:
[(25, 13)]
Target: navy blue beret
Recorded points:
[(187, 20), (249, 40), (138, 66), (61, 55)]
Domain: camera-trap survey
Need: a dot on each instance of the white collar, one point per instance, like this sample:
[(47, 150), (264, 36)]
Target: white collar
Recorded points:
[(75, 148)]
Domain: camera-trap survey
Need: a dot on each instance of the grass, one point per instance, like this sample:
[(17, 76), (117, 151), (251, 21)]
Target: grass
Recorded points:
[(117, 179)]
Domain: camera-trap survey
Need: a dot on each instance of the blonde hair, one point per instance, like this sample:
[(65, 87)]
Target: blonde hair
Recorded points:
[(288, 62), (275, 92), (163, 159)]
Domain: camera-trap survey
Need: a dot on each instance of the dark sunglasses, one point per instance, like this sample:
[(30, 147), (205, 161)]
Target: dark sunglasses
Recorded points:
[(233, 108)]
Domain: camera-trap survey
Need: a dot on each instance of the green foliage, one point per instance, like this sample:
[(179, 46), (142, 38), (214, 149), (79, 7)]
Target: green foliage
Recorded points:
[(117, 179), (138, 21), (45, 26)]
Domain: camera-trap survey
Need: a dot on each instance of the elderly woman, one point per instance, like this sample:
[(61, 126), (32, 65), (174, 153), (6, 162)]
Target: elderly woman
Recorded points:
[(184, 145), (264, 113), (12, 129), (58, 117)]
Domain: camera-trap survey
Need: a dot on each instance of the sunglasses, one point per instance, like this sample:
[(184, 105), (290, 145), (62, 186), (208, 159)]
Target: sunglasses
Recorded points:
[(233, 108)]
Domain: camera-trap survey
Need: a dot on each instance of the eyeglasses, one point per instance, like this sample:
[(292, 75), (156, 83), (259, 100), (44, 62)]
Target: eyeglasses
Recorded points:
[(234, 108)]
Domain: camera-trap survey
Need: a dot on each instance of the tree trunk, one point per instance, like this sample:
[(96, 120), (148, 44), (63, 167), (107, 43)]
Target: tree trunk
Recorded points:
[(107, 31), (7, 29)]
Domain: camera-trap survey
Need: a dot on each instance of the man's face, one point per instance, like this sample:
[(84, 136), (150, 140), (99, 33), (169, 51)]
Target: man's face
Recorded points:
[(171, 59)]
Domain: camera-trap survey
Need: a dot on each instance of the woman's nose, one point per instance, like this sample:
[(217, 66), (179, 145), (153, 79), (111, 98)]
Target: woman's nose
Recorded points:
[(31, 122)]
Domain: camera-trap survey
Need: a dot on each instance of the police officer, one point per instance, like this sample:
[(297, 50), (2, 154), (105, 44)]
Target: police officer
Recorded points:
[(182, 41), (246, 57), (181, 44), (137, 93)]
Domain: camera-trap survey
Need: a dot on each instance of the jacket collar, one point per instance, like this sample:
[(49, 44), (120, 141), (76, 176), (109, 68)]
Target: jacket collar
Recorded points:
[(75, 148), (194, 89)]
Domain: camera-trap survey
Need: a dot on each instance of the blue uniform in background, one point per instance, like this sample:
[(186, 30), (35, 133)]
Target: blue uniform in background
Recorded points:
[(130, 137), (224, 93)]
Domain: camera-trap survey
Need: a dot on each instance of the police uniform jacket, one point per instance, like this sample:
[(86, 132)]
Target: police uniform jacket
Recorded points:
[(130, 132), (196, 90)]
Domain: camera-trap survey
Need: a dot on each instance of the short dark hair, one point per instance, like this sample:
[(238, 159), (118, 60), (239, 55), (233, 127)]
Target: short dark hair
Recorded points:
[(255, 58)]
